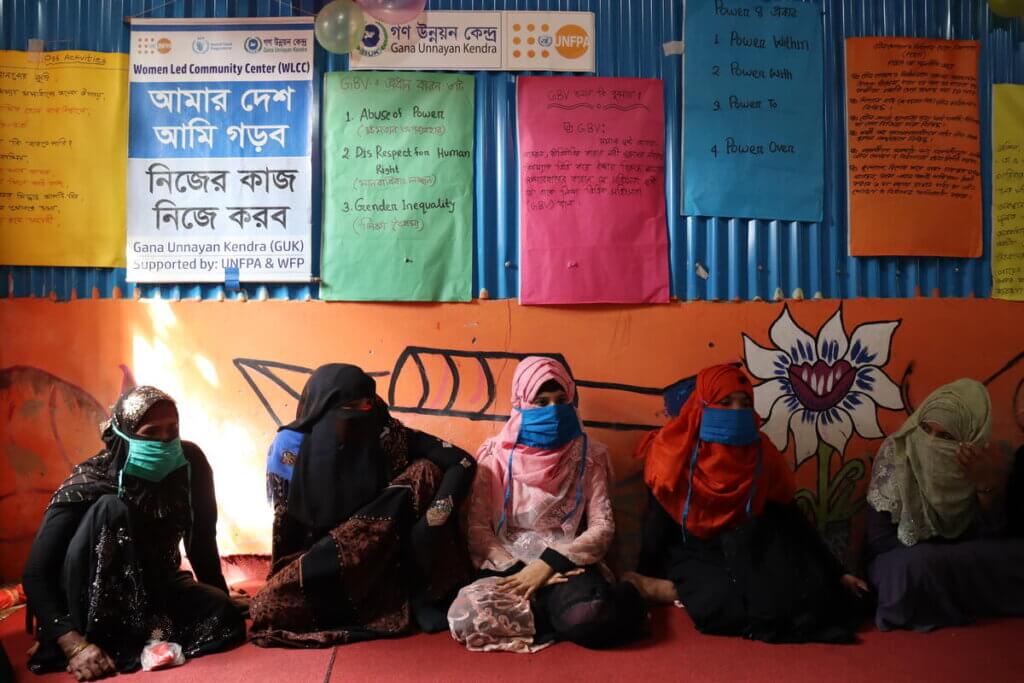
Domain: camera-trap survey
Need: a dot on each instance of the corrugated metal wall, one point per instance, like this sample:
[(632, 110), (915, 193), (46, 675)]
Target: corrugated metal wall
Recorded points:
[(714, 258)]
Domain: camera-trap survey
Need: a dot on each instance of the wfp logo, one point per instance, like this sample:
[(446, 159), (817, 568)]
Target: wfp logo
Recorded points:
[(253, 44), (572, 41), (201, 45), (375, 40)]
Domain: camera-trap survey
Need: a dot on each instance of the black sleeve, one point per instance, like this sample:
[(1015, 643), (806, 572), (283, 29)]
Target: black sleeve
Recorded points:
[(42, 575), (881, 536), (459, 468), (201, 544), (557, 561)]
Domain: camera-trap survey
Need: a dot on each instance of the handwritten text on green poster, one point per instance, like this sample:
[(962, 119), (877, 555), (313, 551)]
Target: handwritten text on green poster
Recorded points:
[(398, 187)]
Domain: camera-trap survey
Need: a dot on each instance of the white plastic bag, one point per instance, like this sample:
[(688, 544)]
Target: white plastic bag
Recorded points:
[(159, 654)]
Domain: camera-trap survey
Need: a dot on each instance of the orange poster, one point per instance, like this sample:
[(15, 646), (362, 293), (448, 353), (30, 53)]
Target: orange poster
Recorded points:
[(913, 147)]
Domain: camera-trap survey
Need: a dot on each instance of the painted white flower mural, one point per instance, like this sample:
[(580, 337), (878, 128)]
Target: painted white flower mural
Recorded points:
[(822, 389)]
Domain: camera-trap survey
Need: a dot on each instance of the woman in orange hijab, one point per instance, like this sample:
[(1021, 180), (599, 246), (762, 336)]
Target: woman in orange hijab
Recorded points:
[(723, 537)]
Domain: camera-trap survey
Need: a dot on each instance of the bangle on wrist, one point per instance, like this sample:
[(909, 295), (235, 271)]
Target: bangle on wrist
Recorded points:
[(82, 644)]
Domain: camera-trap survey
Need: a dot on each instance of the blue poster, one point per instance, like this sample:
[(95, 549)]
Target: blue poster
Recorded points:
[(753, 121)]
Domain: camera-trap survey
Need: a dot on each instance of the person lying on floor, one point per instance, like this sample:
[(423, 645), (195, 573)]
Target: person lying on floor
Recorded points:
[(540, 522), (723, 535), (365, 536), (104, 572), (937, 547)]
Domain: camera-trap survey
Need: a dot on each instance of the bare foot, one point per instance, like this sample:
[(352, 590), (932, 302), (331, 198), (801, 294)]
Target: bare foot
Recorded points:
[(658, 591)]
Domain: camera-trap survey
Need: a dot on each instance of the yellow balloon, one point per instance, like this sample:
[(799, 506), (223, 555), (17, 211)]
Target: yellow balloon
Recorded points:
[(1007, 8), (339, 26)]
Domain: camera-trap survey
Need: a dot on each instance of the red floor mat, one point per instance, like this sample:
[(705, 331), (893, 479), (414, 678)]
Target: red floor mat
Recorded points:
[(989, 652), (992, 651), (247, 664)]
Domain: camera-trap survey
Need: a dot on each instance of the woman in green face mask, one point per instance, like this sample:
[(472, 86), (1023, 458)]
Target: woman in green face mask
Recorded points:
[(104, 570), (938, 554)]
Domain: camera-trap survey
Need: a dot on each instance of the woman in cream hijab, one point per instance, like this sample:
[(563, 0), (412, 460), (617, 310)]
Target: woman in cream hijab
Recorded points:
[(936, 511)]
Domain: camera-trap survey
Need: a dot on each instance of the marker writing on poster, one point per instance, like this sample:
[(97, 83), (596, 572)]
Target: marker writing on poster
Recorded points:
[(913, 128), (753, 144), (752, 43), (1008, 192), (590, 159), (34, 188), (399, 148)]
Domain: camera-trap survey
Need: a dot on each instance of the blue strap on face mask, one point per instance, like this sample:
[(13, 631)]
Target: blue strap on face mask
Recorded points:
[(579, 480), (689, 487), (753, 484), (508, 487), (579, 484), (188, 471)]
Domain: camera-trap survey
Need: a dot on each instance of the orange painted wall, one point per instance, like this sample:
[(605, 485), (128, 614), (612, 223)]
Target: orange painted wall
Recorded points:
[(62, 364)]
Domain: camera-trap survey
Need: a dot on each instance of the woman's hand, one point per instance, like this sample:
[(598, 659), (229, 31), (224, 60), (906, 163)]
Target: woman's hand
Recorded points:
[(240, 599), (562, 578), (981, 465), (528, 580), (91, 663), (857, 586)]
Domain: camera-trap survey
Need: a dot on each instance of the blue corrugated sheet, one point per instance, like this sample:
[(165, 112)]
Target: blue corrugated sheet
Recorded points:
[(712, 258)]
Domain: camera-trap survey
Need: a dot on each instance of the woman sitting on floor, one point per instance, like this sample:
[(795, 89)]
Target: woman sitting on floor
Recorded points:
[(365, 534), (723, 536), (104, 573), (937, 506), (540, 522)]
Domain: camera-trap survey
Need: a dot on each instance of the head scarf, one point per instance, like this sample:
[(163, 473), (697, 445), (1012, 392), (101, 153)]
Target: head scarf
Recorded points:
[(340, 466), (919, 481), (98, 475), (725, 477), (545, 484)]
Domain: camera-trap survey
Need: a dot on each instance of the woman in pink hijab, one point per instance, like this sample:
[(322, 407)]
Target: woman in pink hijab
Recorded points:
[(540, 523)]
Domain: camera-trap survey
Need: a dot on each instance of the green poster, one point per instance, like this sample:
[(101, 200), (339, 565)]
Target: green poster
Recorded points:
[(398, 187)]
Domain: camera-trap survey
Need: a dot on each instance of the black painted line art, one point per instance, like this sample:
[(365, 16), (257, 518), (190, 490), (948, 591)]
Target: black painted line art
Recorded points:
[(250, 369), (466, 384), (1015, 363)]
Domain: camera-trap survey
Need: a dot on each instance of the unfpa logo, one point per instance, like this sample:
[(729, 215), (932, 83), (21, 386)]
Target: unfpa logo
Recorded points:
[(572, 41)]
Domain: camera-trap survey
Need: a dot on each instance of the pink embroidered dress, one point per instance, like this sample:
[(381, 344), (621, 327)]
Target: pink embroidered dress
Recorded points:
[(542, 518)]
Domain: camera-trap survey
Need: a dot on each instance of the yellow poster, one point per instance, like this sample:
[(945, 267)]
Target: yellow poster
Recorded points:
[(63, 151), (1008, 192)]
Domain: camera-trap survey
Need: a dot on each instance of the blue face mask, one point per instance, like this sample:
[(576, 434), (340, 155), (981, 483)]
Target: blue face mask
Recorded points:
[(728, 426), (151, 460), (549, 427)]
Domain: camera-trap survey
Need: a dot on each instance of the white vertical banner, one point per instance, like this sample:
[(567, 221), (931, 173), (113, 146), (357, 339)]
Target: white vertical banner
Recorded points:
[(220, 135)]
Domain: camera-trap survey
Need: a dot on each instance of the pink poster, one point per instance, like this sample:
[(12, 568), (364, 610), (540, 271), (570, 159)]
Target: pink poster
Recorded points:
[(592, 183)]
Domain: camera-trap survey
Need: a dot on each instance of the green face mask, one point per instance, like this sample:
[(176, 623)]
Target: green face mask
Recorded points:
[(151, 460)]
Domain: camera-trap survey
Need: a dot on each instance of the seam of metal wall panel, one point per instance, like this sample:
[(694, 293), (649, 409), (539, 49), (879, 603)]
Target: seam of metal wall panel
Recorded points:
[(710, 258)]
